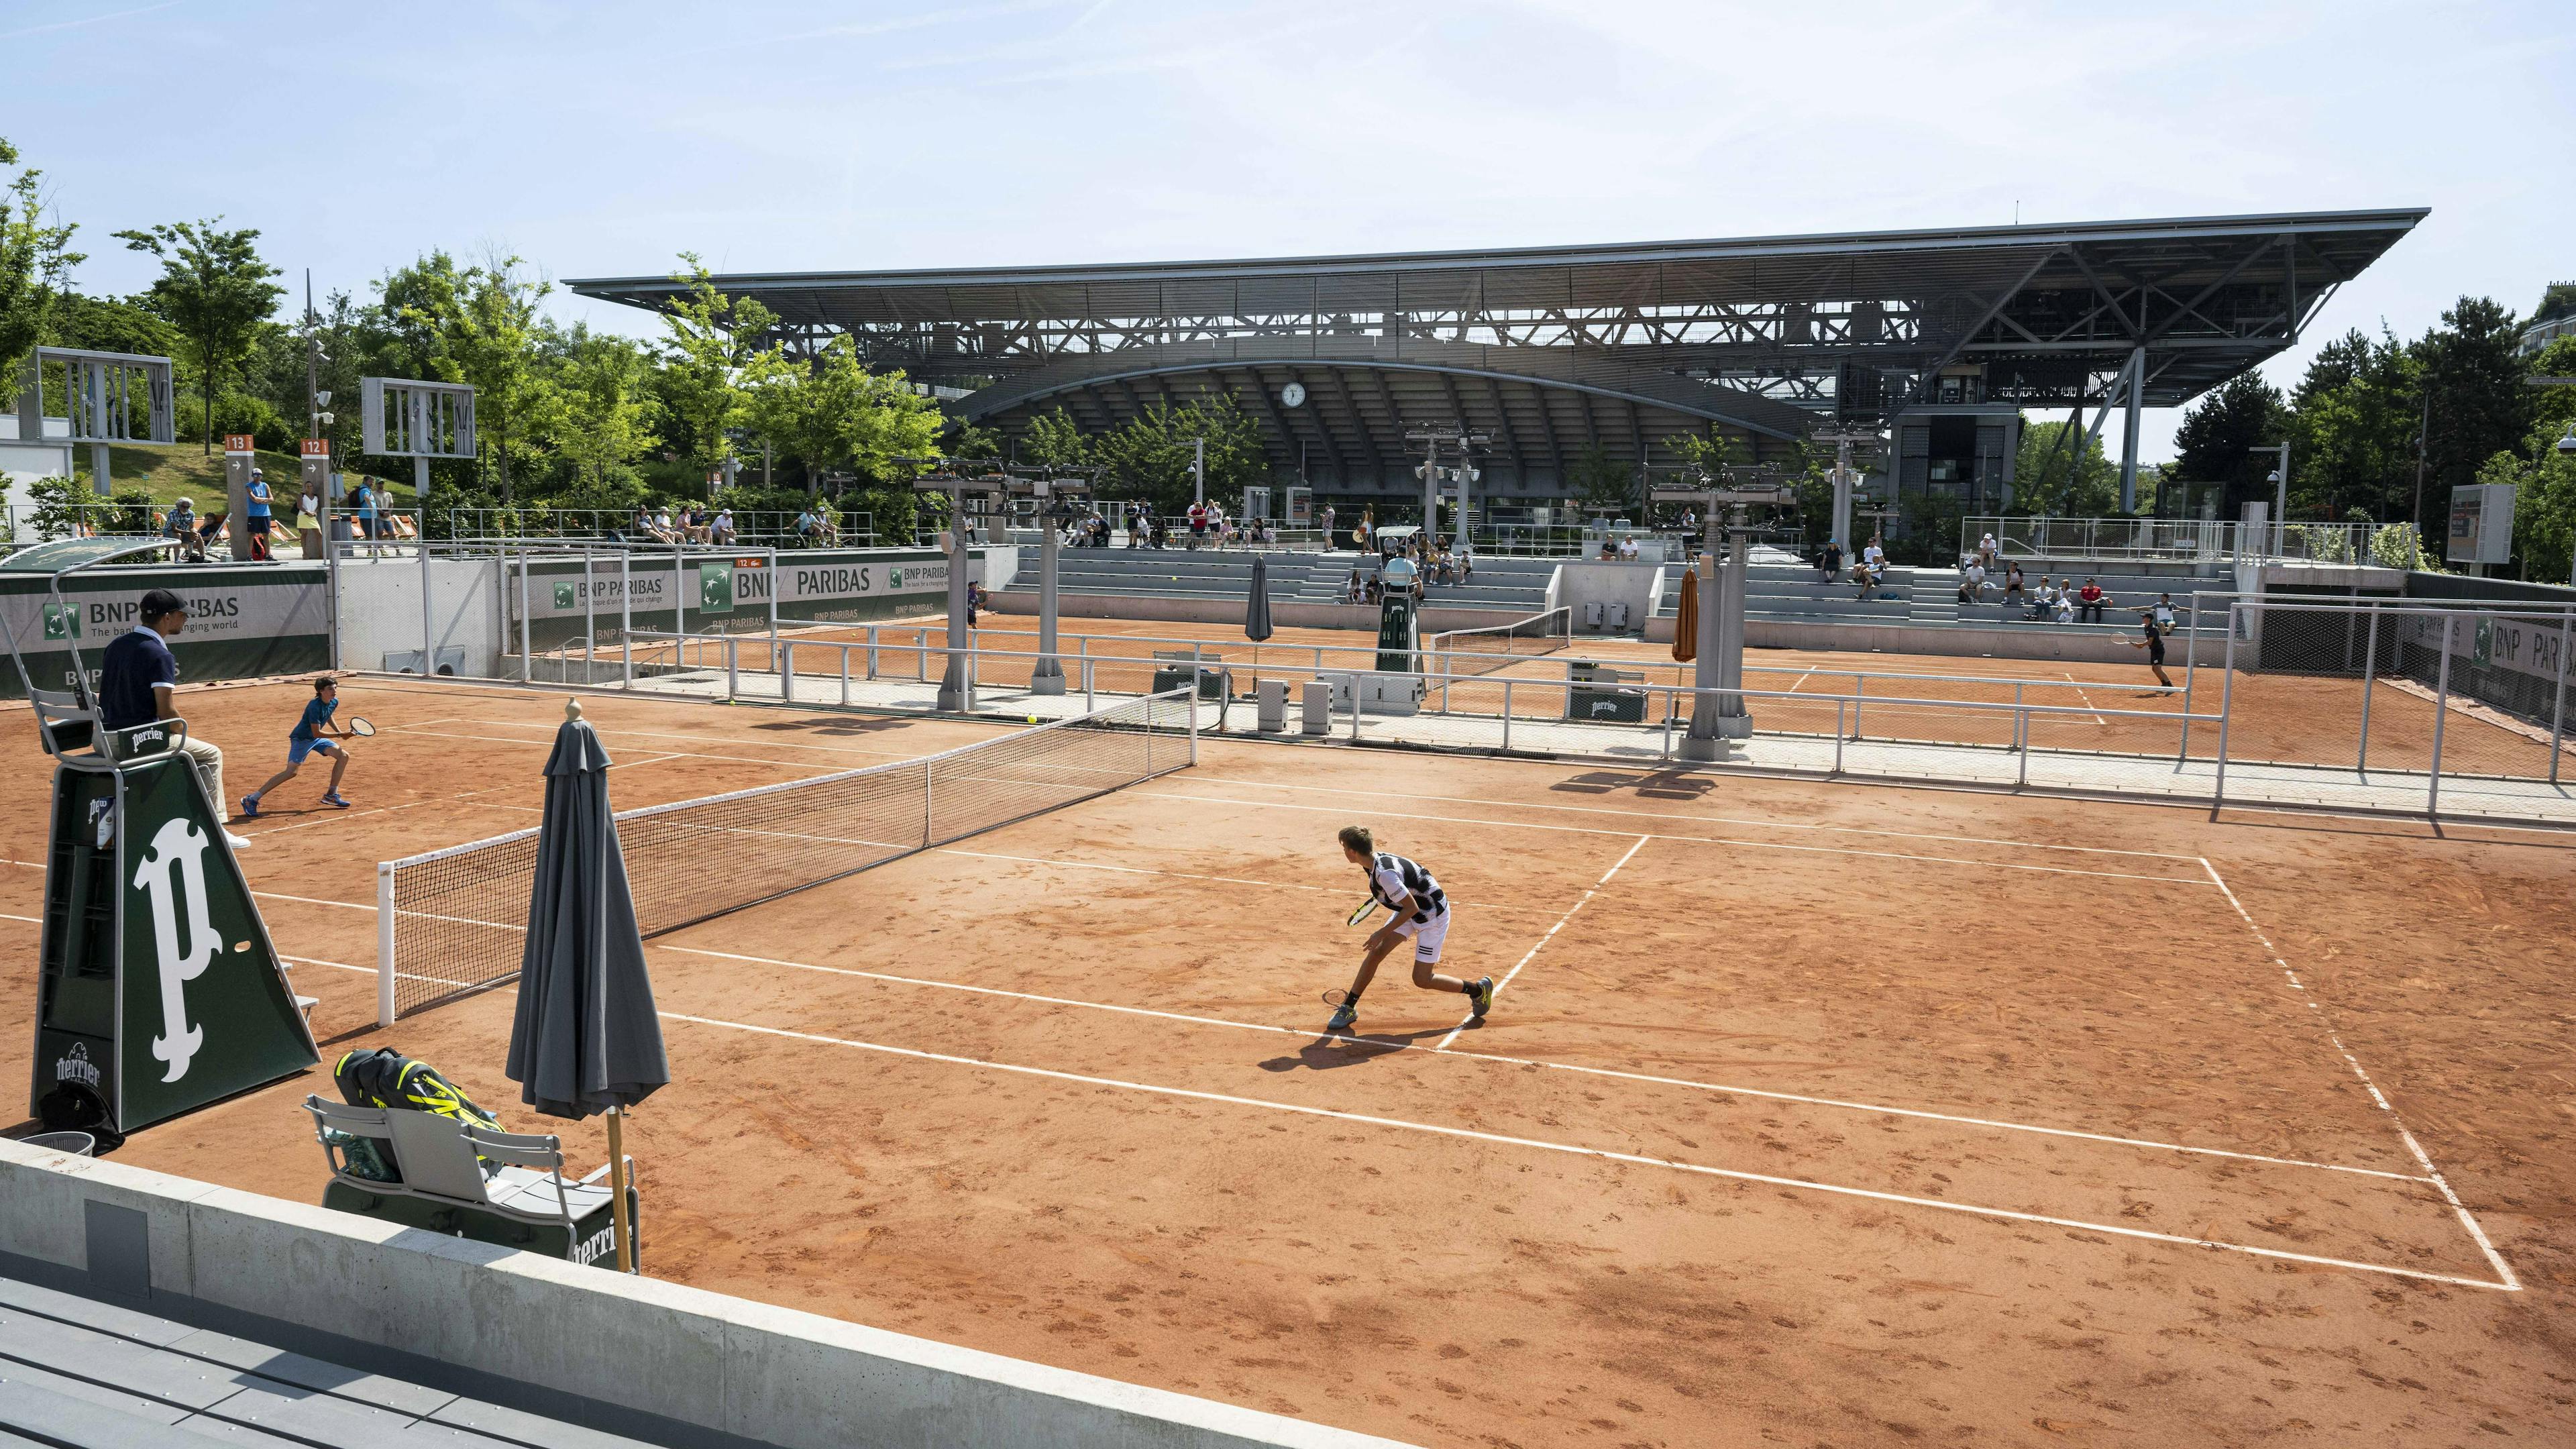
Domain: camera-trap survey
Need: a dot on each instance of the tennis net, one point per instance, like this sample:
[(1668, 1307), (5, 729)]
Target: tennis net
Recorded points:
[(1482, 651), (454, 921)]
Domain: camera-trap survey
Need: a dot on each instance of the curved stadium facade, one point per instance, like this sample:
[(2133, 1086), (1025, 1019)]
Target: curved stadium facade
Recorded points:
[(1942, 337)]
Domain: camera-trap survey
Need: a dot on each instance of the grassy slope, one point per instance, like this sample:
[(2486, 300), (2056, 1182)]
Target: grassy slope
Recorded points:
[(185, 470)]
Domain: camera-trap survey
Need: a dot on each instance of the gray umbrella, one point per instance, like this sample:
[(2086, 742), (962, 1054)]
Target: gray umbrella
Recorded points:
[(1256, 610), (586, 1039)]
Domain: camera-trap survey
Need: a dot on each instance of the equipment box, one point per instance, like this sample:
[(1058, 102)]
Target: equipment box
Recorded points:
[(1593, 694)]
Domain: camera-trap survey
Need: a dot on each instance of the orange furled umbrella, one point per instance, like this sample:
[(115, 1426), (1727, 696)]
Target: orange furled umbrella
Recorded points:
[(1686, 627)]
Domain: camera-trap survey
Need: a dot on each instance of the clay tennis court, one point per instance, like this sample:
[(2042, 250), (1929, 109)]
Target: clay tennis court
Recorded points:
[(2284, 718), (1809, 1113)]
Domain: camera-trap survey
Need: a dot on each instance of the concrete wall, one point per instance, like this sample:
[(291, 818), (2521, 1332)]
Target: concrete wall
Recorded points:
[(380, 610), (24, 464), (1635, 584), (645, 1357)]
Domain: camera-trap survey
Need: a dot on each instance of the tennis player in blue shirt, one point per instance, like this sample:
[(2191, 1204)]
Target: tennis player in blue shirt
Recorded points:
[(315, 731)]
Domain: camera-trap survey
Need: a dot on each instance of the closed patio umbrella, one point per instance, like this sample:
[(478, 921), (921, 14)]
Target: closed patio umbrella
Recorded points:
[(587, 1039), (1686, 623)]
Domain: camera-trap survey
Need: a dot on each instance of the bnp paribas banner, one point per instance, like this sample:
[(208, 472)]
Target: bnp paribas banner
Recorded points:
[(833, 585), (243, 623)]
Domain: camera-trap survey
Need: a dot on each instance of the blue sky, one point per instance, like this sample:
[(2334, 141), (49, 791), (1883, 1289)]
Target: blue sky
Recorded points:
[(603, 139)]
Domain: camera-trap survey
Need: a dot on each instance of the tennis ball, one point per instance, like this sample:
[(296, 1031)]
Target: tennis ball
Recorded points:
[(1033, 719)]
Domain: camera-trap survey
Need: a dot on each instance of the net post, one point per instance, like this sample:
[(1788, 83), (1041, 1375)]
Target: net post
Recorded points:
[(773, 594), (428, 609), (1507, 716), (2369, 669), (385, 943), (1193, 702), (733, 664), (589, 620), (928, 809), (786, 669), (1667, 749), (1841, 706), (2441, 716), (845, 676)]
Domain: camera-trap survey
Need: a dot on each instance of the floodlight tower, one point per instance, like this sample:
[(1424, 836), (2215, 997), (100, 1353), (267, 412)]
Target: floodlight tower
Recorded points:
[(1845, 480)]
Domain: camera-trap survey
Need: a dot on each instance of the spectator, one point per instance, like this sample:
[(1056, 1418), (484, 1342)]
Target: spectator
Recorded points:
[(2165, 612), (258, 515), (1198, 523), (1627, 546), (1466, 564), (1967, 590), (2092, 601), (809, 527), (181, 524), (1830, 562), (1358, 591), (722, 530), (974, 602), (1976, 582), (2066, 605), (135, 683), (1874, 556), (1866, 575), (362, 511), (1609, 549), (209, 527), (2013, 591), (1986, 551), (1328, 528)]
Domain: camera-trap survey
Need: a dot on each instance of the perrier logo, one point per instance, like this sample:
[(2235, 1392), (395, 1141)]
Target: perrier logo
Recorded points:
[(62, 621), (566, 596), (715, 588)]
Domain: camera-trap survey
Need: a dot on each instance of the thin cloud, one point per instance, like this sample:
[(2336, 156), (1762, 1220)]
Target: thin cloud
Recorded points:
[(87, 20)]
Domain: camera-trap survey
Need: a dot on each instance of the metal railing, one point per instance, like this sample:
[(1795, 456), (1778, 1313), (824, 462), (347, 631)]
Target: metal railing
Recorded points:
[(763, 528), (2192, 540)]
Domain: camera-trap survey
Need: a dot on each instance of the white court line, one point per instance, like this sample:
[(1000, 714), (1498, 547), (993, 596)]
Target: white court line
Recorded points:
[(337, 816), (2088, 699), (1696, 839), (2432, 1174), (1389, 1047), (1579, 903), (1605, 1154), (1668, 815)]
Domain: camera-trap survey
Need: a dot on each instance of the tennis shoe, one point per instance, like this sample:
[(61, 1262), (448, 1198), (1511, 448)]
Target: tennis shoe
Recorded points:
[(1481, 997), (1344, 1017), (250, 807), (336, 799)]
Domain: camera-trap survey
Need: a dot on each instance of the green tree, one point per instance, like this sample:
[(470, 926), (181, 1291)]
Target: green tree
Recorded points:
[(2473, 383), (2215, 441), (214, 289), (483, 325), (1054, 440), (2544, 515), (1150, 457), (606, 415), (709, 345), (2353, 442), (35, 258), (1601, 483), (833, 412), (2051, 480)]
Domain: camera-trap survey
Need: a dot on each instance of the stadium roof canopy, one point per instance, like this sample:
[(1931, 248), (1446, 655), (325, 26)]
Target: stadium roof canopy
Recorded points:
[(1554, 350)]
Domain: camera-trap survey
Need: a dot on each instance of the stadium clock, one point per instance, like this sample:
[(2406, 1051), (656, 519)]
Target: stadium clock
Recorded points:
[(1293, 395)]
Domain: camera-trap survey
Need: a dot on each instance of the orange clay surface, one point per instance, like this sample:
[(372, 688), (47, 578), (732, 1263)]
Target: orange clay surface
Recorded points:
[(1810, 1114)]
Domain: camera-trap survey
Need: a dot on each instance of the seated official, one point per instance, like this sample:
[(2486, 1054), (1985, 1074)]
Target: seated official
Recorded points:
[(137, 680)]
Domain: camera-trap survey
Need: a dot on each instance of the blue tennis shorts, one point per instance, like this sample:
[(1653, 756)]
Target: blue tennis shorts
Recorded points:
[(297, 749)]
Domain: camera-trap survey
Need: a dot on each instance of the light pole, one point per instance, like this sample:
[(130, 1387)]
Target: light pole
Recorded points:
[(2280, 481)]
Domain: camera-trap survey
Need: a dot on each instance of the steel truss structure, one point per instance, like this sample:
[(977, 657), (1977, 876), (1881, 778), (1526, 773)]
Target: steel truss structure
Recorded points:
[(1556, 350)]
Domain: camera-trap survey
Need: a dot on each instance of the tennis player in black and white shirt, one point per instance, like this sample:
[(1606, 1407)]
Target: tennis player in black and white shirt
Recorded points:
[(1419, 912)]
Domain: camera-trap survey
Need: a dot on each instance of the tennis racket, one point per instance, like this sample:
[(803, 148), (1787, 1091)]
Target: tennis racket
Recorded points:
[(1361, 914), (358, 726)]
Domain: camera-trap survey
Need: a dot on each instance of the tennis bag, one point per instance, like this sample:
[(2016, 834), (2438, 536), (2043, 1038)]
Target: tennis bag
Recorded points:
[(383, 1077)]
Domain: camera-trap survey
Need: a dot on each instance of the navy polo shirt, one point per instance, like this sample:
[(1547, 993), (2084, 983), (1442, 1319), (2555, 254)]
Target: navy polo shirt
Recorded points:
[(136, 660)]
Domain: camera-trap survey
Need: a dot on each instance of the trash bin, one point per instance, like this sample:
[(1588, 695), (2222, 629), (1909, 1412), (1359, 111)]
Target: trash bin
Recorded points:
[(78, 1144)]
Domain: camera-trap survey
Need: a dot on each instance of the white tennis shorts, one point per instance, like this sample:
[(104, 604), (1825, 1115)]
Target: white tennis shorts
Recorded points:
[(1428, 936)]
